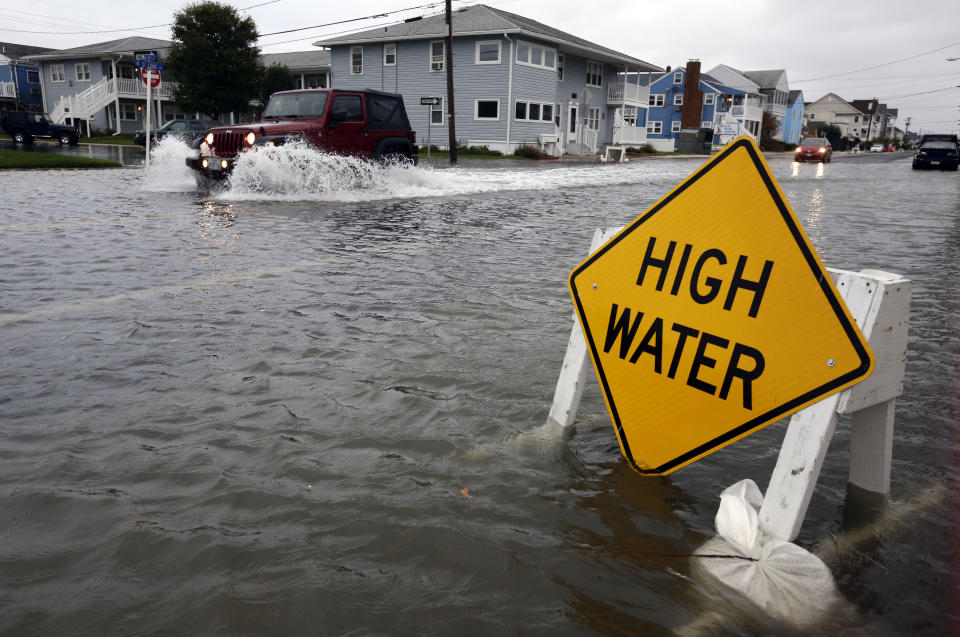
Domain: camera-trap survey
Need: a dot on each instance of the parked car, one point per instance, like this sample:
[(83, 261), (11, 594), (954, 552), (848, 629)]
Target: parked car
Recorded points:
[(815, 148), (23, 127), (876, 148), (186, 129), (937, 154), (364, 123)]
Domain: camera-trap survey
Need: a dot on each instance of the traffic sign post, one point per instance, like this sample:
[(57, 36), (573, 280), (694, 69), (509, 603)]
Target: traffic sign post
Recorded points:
[(710, 316), (429, 102), (151, 78)]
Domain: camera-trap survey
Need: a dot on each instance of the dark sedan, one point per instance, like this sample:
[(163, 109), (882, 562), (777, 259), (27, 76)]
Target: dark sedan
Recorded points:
[(937, 154), (186, 129)]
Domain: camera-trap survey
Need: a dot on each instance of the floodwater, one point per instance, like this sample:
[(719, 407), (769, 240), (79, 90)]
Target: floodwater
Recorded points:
[(291, 408)]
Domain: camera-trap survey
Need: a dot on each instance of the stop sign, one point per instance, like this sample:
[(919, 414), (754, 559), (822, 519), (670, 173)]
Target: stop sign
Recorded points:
[(150, 77)]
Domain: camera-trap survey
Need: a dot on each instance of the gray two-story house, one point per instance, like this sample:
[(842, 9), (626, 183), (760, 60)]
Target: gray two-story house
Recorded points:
[(516, 81)]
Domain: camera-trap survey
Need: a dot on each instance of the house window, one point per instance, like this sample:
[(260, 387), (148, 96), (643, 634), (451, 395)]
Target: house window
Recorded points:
[(315, 81), (654, 128), (33, 77), (856, 118), (438, 49), (675, 127), (630, 115), (436, 114), (390, 54), (559, 68), (488, 52), (532, 55), (709, 99), (128, 111), (82, 70), (356, 60), (678, 78), (486, 110), (533, 111), (656, 100), (811, 116), (678, 99), (126, 71), (706, 124), (592, 120), (594, 74), (56, 73)]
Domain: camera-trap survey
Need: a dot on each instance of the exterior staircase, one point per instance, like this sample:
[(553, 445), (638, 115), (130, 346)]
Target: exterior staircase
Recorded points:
[(84, 105)]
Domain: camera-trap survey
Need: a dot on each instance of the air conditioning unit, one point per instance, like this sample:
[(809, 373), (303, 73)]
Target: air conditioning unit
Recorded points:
[(436, 66)]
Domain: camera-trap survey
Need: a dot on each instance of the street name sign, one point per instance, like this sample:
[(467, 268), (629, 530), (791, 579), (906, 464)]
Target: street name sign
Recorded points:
[(710, 316)]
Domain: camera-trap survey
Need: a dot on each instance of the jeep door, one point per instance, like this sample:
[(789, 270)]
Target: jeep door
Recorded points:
[(39, 126), (346, 126)]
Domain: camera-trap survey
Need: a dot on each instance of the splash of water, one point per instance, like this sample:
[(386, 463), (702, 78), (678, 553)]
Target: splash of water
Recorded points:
[(297, 171), (168, 172)]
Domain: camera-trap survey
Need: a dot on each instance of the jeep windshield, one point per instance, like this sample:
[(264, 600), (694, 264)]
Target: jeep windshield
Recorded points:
[(283, 105)]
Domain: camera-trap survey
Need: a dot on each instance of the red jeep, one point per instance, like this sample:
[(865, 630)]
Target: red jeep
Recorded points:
[(365, 123)]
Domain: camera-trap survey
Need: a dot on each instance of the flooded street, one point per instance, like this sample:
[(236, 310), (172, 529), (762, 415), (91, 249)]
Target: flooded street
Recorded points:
[(289, 408)]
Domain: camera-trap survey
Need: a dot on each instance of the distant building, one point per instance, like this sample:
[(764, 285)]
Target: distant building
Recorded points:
[(98, 86), (792, 125), (518, 82), (19, 78), (775, 88)]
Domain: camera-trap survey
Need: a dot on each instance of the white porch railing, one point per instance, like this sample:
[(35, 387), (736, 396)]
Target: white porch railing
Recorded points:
[(85, 104), (590, 139), (754, 113), (8, 89), (630, 94), (626, 134)]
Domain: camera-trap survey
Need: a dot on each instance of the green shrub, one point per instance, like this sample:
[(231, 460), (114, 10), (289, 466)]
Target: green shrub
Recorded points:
[(646, 149), (530, 152), (478, 150)]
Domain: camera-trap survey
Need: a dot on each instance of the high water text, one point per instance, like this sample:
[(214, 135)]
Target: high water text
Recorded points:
[(707, 278)]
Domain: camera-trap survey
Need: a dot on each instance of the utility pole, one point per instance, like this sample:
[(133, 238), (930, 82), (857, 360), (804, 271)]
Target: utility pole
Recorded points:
[(450, 110)]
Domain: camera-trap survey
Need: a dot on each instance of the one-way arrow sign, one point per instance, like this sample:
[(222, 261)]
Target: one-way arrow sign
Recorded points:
[(429, 101)]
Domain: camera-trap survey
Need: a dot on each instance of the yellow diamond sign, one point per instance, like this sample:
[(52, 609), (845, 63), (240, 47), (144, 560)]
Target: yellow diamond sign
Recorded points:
[(711, 316)]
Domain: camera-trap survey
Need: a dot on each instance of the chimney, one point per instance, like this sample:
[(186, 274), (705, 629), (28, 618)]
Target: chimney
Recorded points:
[(668, 69), (692, 97)]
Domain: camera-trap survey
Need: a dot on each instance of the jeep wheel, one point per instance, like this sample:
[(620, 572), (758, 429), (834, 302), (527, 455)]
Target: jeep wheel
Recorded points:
[(21, 137), (67, 139)]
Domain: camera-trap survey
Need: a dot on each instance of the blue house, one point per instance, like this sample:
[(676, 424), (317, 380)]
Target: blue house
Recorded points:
[(792, 124), (686, 98), (517, 81), (19, 79)]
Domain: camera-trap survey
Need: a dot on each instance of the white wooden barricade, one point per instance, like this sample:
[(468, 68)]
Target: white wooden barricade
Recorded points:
[(880, 304)]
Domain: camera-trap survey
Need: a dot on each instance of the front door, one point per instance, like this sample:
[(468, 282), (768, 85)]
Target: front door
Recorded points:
[(573, 128)]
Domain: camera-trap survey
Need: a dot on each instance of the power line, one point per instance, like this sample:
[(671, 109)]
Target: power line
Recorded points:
[(369, 17), (877, 66)]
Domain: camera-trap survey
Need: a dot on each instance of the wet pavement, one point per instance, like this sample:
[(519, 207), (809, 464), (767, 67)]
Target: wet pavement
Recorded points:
[(293, 410)]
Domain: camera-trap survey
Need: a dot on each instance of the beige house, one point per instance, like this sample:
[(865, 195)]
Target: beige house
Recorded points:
[(833, 109)]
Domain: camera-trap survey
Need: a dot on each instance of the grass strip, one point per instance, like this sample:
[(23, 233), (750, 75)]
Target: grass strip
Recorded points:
[(11, 159)]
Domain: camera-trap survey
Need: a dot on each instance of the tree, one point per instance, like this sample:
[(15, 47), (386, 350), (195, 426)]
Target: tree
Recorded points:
[(835, 135), (214, 59), (272, 79), (769, 125)]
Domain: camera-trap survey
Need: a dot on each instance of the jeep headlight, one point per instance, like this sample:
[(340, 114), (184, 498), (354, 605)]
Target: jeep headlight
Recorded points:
[(250, 138), (208, 138)]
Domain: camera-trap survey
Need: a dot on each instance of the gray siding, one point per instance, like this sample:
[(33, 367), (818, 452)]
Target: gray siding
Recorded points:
[(412, 78)]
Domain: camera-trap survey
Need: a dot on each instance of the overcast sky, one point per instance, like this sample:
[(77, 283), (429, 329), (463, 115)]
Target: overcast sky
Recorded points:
[(825, 46)]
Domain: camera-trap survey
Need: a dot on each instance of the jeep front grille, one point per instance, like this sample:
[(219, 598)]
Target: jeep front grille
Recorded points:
[(227, 144)]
